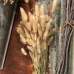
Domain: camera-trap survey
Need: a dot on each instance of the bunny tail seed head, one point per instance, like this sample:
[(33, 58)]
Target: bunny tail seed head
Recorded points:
[(23, 15)]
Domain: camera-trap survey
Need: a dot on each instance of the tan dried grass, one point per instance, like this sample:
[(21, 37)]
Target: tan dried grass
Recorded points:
[(37, 33)]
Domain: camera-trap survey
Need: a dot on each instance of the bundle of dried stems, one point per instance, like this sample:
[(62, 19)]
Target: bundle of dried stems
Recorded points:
[(7, 1), (36, 31)]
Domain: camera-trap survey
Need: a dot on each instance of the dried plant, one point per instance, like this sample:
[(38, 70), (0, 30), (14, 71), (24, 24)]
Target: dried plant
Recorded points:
[(37, 32), (7, 1)]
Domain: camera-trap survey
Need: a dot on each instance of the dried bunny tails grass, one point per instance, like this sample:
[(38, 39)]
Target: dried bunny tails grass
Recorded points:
[(23, 15), (34, 30), (23, 51)]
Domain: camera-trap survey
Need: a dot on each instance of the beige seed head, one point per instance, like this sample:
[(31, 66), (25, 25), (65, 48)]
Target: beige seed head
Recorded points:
[(18, 29), (30, 48), (34, 25), (27, 33), (23, 51), (41, 9), (22, 39), (49, 24), (38, 46), (36, 9), (47, 29), (30, 41), (54, 5), (23, 15), (29, 26), (39, 30), (27, 1)]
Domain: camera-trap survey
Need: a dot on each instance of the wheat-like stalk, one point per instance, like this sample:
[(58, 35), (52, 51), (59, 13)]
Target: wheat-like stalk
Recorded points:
[(36, 31)]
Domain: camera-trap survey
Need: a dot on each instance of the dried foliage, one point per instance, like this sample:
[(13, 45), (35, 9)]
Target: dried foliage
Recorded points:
[(7, 1), (37, 32)]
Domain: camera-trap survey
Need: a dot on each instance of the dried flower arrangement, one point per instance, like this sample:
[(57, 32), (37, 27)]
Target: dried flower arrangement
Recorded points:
[(7, 1), (36, 31)]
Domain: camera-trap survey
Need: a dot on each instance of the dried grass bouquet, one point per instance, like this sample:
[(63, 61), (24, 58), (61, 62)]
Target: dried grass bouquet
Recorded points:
[(36, 31), (7, 1)]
